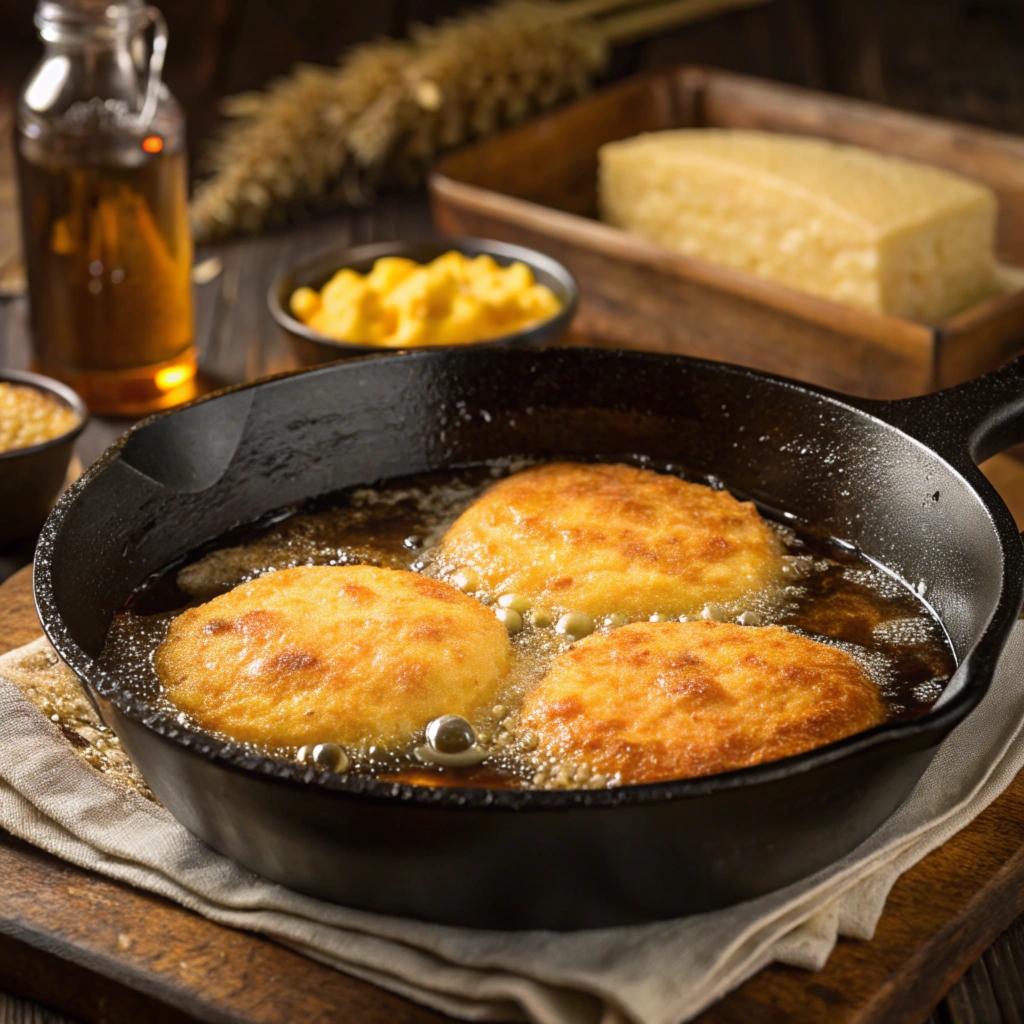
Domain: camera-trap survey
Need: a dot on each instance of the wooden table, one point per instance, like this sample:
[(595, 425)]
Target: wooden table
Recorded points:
[(238, 341)]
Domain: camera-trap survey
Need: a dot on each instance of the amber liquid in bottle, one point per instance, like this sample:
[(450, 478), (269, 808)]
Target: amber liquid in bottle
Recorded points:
[(109, 256)]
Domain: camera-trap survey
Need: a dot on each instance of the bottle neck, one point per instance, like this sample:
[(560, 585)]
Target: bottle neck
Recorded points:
[(97, 71), (93, 24)]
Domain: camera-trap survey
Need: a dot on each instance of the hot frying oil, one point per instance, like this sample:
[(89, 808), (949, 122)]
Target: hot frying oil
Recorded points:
[(833, 594)]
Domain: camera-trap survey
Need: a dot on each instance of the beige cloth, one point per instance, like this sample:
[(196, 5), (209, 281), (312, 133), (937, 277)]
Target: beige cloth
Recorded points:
[(656, 974)]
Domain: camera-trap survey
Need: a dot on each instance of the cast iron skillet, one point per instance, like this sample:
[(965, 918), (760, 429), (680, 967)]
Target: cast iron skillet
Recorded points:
[(896, 478)]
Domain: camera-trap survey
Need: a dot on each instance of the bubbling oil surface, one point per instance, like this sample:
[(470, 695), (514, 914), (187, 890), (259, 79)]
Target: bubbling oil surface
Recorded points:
[(833, 594)]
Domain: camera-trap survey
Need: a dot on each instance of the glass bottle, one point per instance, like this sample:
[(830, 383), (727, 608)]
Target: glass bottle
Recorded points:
[(103, 180)]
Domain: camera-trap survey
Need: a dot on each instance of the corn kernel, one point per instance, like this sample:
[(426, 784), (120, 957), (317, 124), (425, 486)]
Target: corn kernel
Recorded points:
[(305, 303), (389, 272)]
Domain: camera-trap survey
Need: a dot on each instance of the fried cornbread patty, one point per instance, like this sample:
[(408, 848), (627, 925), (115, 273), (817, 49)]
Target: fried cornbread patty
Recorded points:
[(670, 700), (349, 654), (605, 539)]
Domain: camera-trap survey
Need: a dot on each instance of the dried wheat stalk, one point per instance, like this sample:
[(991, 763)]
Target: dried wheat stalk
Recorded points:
[(327, 136)]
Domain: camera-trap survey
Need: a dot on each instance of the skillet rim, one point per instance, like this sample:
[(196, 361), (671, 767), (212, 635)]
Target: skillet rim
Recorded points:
[(978, 664)]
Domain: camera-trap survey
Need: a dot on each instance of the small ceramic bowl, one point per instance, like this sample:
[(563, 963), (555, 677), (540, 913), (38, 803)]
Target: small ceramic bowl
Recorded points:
[(31, 478), (310, 347)]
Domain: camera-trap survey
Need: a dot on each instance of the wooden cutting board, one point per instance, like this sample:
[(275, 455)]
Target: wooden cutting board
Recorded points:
[(105, 952)]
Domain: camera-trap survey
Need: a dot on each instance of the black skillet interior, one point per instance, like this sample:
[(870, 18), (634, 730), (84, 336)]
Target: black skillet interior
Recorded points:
[(546, 859)]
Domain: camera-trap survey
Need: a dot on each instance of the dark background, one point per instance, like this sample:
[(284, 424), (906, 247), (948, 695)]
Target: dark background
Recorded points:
[(961, 59)]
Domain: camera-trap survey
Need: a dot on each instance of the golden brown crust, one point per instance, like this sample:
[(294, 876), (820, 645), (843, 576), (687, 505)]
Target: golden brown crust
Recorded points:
[(350, 654), (611, 538), (671, 700)]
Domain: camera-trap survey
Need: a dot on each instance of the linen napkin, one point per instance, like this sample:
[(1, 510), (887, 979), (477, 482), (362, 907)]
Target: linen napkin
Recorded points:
[(69, 789)]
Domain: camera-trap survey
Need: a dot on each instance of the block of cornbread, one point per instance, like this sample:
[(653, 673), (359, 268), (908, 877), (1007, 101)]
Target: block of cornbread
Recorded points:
[(872, 231)]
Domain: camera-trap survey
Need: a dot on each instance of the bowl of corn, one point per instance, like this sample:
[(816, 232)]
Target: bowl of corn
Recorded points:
[(39, 421), (417, 294)]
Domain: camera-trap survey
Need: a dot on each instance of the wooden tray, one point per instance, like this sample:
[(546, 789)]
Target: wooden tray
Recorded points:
[(108, 953), (536, 185)]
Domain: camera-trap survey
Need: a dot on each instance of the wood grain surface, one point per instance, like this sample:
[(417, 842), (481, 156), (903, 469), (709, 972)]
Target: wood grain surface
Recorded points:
[(102, 951)]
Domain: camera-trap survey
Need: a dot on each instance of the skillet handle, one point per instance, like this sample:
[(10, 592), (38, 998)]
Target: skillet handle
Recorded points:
[(976, 419)]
